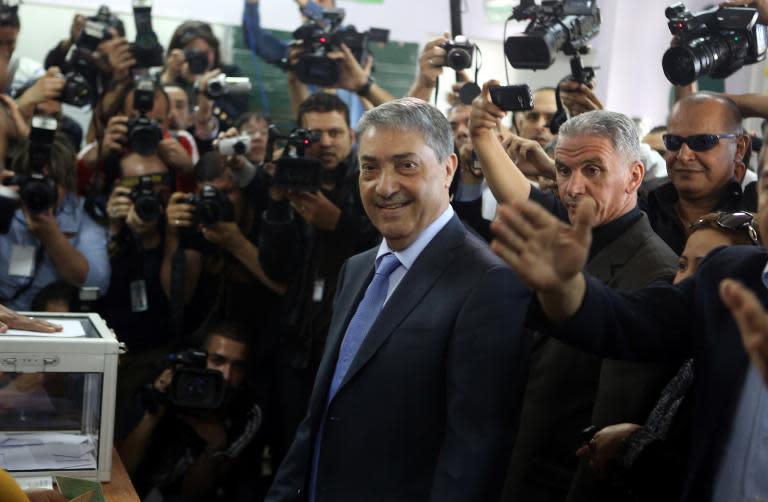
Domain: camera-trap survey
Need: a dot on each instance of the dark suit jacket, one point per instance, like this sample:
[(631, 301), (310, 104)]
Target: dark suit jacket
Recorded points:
[(569, 389), (664, 322), (428, 408)]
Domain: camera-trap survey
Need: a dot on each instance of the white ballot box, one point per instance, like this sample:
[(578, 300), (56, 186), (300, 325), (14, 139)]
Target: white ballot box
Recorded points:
[(57, 398)]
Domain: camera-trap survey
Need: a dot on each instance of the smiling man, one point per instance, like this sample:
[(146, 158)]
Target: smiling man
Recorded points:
[(705, 147), (597, 156), (418, 392)]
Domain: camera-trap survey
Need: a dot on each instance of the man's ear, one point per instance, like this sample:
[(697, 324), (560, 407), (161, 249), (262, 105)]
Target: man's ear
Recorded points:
[(352, 136), (636, 176), (451, 164), (743, 142)]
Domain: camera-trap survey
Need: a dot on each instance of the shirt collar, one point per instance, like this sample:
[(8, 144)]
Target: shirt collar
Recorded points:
[(408, 255)]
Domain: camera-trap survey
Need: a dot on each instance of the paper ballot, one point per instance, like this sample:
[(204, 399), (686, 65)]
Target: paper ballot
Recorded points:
[(46, 451), (72, 328)]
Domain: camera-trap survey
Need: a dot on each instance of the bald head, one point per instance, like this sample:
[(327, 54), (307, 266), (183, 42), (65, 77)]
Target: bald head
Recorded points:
[(134, 164), (723, 107)]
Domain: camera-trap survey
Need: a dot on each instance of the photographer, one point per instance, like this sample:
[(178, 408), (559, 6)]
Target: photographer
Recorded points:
[(16, 70), (211, 240), (124, 132), (59, 241), (193, 53), (333, 227), (192, 454)]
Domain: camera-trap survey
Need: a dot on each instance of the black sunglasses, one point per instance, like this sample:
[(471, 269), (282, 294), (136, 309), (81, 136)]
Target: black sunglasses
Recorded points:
[(697, 142), (733, 222)]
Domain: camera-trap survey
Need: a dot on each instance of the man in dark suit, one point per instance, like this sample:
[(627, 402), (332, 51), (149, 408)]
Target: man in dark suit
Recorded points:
[(597, 155), (662, 322), (418, 391)]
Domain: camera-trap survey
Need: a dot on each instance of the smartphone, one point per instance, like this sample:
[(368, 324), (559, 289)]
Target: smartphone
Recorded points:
[(512, 98)]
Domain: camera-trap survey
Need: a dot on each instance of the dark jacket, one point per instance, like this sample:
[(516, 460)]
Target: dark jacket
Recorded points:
[(569, 390), (428, 408), (668, 323)]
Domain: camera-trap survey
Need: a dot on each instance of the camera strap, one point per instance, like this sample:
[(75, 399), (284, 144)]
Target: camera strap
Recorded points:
[(176, 303)]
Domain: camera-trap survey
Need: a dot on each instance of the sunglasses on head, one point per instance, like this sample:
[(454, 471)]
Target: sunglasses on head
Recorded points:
[(697, 142), (733, 222)]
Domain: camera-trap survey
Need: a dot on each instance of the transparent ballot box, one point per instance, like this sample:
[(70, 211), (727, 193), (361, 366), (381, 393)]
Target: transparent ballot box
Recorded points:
[(57, 399)]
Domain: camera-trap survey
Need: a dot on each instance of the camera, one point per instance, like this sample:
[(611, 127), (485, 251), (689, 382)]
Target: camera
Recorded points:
[(293, 171), (144, 134), (319, 38), (36, 190), (512, 98), (193, 387), (239, 145), (715, 42), (80, 86), (222, 85), (459, 53), (146, 49), (555, 25), (146, 202), (197, 60), (212, 206)]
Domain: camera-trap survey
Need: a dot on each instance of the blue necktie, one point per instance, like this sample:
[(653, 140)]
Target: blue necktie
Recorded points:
[(358, 329), (364, 317)]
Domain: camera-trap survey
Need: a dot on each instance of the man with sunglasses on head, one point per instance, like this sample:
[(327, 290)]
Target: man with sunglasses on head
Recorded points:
[(705, 150)]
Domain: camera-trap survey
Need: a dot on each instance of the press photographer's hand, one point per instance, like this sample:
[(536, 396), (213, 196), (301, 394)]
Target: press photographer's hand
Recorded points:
[(315, 209), (115, 137), (179, 212)]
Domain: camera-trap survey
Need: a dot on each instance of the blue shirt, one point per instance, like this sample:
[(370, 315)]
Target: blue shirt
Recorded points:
[(87, 236), (408, 255), (743, 473)]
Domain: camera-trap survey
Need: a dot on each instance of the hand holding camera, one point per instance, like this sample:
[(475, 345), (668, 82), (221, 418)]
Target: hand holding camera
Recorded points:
[(49, 86), (529, 156), (120, 57), (315, 209), (180, 212), (115, 137), (118, 206), (485, 116), (579, 98), (431, 61), (174, 64), (352, 76)]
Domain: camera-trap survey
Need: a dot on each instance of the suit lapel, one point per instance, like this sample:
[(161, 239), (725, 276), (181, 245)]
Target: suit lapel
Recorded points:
[(430, 264), (611, 259)]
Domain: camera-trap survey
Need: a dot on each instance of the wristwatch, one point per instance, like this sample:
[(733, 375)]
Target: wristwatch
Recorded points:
[(366, 88)]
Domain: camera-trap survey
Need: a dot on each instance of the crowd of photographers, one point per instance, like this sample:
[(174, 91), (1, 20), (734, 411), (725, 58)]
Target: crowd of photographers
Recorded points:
[(212, 243)]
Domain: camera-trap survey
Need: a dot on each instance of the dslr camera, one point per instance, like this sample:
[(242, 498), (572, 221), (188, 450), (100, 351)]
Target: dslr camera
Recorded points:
[(197, 60), (146, 201), (715, 42), (144, 133), (555, 25), (193, 387), (319, 38), (146, 49), (459, 52), (37, 191), (239, 145), (212, 206), (293, 170)]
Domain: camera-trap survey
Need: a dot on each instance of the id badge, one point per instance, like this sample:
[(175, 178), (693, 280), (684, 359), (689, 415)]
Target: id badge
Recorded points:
[(22, 262), (319, 289), (139, 296)]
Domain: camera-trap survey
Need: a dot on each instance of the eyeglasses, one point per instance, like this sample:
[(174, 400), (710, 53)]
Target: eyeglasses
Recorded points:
[(697, 142), (733, 222)]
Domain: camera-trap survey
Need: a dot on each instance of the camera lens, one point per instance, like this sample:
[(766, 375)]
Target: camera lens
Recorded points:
[(38, 195), (196, 389), (240, 148), (148, 207), (711, 55), (458, 59)]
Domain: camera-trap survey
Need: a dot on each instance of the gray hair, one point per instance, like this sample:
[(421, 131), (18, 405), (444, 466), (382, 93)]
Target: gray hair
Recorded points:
[(619, 129), (412, 114)]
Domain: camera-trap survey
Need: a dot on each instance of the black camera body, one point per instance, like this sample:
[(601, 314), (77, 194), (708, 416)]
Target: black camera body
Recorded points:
[(293, 170), (144, 133), (212, 206), (146, 49), (512, 98), (715, 42), (313, 65), (197, 59), (37, 191), (555, 25), (146, 201), (80, 86), (458, 53)]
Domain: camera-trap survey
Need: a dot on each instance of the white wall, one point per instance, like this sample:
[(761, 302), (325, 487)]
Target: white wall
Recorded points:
[(628, 49)]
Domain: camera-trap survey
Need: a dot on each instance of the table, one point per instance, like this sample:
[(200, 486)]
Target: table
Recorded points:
[(120, 488)]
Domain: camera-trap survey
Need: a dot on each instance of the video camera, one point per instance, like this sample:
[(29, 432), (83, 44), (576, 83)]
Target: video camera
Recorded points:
[(192, 386), (293, 170), (144, 133), (555, 25), (146, 49), (715, 42), (318, 39), (37, 191)]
